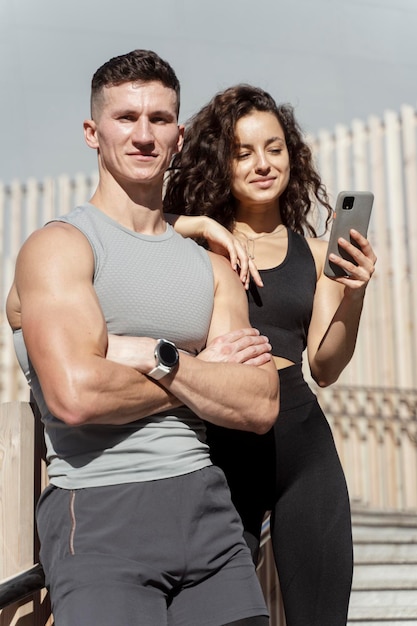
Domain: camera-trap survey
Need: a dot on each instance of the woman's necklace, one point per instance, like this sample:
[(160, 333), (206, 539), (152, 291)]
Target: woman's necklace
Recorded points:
[(250, 241)]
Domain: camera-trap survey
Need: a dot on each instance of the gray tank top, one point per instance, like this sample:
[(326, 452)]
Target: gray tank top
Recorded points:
[(151, 286)]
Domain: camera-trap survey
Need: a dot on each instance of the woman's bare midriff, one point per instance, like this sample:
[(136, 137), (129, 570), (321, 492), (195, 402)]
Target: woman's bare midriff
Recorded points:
[(280, 362)]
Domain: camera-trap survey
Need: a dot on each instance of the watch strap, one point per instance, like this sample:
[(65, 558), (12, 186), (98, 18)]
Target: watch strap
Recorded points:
[(159, 371)]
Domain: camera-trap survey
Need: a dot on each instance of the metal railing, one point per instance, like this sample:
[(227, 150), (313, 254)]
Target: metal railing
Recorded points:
[(21, 586)]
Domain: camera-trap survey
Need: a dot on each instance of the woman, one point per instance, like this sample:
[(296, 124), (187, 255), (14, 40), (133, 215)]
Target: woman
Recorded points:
[(245, 164)]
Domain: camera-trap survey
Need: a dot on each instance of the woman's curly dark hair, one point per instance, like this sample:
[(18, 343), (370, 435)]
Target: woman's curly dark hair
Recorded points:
[(199, 179)]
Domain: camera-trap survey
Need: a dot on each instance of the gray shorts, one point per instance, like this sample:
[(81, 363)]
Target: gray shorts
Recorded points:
[(161, 553)]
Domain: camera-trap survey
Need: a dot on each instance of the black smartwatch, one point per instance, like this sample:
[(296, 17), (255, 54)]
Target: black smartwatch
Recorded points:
[(166, 358)]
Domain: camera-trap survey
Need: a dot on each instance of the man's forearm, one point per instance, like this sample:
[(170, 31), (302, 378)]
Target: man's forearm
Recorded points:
[(215, 385), (105, 393), (237, 396)]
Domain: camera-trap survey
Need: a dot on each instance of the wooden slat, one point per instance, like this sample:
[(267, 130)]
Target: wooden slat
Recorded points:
[(326, 158), (64, 195), (21, 482), (409, 148), (16, 211), (17, 499), (34, 200), (48, 204), (2, 219), (365, 365), (344, 165), (396, 220), (385, 351)]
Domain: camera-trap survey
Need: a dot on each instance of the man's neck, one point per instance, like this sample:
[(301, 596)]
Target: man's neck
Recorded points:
[(138, 208)]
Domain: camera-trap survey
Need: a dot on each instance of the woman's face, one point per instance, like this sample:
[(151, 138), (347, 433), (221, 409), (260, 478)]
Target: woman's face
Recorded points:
[(261, 164)]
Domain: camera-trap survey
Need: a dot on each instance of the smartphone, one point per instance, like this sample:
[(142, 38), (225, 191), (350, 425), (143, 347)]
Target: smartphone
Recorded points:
[(353, 210)]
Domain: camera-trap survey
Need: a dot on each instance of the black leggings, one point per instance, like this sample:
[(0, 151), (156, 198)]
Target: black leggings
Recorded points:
[(294, 472)]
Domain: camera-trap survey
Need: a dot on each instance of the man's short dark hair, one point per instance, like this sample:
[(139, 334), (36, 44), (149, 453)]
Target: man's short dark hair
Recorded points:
[(138, 65)]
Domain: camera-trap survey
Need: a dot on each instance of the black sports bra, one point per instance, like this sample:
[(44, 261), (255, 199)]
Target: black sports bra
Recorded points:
[(282, 308)]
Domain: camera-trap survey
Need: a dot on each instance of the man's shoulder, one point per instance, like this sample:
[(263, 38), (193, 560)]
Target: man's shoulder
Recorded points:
[(187, 243), (220, 262), (222, 270), (55, 237)]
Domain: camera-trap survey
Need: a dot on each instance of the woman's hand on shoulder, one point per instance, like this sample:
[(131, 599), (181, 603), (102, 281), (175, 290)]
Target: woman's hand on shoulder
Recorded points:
[(221, 241)]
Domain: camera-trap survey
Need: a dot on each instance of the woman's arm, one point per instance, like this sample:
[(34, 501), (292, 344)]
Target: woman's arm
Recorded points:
[(220, 241), (337, 309)]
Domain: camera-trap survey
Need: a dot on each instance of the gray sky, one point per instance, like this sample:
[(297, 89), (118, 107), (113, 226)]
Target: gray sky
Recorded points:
[(334, 60)]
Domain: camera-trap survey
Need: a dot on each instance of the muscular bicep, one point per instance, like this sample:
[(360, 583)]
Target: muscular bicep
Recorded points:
[(230, 311), (61, 318)]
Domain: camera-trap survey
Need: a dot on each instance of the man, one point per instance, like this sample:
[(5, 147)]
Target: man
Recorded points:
[(137, 526)]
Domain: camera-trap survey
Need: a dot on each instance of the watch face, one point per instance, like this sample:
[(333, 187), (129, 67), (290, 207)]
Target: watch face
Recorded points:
[(168, 354)]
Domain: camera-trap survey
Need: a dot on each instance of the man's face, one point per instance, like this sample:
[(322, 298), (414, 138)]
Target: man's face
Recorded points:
[(135, 131)]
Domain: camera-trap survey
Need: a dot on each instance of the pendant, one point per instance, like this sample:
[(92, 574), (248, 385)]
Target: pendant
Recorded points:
[(251, 249)]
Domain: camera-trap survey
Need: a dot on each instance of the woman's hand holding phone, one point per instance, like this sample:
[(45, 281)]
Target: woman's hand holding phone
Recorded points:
[(350, 259)]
